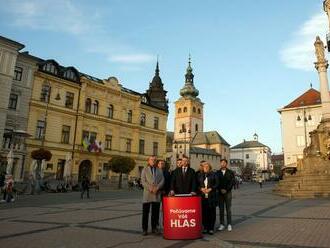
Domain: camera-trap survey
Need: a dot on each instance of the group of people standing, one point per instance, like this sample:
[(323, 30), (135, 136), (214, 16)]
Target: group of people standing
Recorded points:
[(214, 187)]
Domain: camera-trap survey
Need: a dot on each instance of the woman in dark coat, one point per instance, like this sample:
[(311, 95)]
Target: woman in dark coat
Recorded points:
[(208, 184)]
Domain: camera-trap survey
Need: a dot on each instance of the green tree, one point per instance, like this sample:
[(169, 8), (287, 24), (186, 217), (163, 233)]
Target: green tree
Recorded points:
[(121, 165)]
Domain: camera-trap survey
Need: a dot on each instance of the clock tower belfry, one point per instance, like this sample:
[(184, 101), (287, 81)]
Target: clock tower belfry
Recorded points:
[(188, 115)]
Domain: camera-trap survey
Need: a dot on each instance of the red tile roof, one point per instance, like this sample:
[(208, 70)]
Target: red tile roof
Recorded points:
[(310, 97)]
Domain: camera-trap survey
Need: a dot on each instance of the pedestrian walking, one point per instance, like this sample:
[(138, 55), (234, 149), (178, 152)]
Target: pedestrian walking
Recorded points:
[(85, 187), (9, 189), (152, 180), (208, 185), (260, 182), (226, 179)]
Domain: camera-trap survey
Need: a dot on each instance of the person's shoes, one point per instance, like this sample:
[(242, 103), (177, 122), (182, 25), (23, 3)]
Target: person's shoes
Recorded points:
[(144, 233), (229, 228), (211, 232), (204, 231), (221, 228), (155, 231)]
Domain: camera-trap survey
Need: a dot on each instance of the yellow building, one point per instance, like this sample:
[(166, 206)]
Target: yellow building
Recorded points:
[(76, 115)]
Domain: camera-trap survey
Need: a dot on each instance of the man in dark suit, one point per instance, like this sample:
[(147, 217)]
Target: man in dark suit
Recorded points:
[(226, 179), (183, 179)]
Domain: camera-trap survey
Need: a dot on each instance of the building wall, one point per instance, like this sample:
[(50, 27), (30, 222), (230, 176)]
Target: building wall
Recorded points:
[(196, 158), (293, 131), (260, 156), (118, 127)]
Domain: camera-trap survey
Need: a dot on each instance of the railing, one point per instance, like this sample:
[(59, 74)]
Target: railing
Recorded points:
[(16, 147)]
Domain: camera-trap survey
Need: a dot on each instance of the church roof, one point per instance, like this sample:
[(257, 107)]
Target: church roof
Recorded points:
[(198, 150), (248, 144), (310, 97), (211, 137)]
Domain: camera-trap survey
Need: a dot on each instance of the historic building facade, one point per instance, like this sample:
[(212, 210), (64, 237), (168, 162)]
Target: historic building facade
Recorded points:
[(88, 119), (298, 119), (189, 137), (16, 73), (254, 154)]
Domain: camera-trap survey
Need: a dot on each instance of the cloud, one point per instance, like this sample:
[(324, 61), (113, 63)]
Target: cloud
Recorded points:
[(59, 16), (299, 51), (86, 23), (132, 58)]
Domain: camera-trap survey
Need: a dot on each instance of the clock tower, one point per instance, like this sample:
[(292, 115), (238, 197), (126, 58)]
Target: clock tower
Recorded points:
[(188, 115)]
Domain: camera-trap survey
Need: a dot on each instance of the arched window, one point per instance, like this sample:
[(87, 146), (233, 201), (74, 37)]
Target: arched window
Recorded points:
[(179, 110), (199, 111), (194, 109), (88, 105), (185, 109), (143, 119), (196, 127), (183, 128), (129, 116), (110, 111), (96, 107)]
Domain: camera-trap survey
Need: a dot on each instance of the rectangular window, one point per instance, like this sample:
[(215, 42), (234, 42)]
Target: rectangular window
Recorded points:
[(92, 137), (155, 149), (128, 145), (85, 135), (141, 146), (129, 116), (65, 134), (13, 101), (40, 130), (247, 156), (110, 112), (300, 140), (45, 93), (69, 100), (156, 123), (108, 141), (18, 73)]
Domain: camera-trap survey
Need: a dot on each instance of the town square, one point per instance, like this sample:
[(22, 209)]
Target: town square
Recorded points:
[(167, 124)]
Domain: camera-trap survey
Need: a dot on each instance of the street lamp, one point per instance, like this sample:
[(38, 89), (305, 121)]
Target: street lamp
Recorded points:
[(185, 131), (305, 119)]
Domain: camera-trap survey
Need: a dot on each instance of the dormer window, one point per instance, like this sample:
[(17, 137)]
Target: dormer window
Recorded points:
[(49, 67), (69, 74)]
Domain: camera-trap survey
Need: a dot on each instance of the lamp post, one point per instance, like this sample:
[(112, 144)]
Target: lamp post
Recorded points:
[(305, 120), (185, 131)]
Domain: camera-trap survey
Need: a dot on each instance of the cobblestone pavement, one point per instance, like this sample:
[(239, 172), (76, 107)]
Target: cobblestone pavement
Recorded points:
[(113, 219)]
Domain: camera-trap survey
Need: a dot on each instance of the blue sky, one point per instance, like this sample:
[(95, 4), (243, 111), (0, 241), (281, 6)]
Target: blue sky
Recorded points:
[(250, 57)]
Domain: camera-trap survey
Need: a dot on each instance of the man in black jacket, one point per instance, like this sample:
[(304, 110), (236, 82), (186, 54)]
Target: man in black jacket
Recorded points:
[(183, 180), (226, 179)]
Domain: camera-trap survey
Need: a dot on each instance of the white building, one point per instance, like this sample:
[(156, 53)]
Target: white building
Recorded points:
[(252, 153), (298, 119)]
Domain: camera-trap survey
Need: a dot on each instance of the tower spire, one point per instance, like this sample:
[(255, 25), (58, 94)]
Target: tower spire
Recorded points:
[(189, 89)]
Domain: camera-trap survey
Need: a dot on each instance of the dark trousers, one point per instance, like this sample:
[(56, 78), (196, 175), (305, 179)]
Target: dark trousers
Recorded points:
[(154, 215), (83, 192), (225, 201), (208, 215)]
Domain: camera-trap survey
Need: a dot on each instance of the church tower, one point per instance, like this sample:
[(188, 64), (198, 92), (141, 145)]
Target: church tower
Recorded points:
[(188, 115), (156, 94)]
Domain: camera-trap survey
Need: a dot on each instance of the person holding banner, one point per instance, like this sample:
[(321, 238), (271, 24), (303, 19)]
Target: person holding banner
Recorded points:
[(208, 184), (152, 180), (183, 180)]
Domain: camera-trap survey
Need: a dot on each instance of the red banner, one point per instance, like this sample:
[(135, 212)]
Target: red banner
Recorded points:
[(182, 217)]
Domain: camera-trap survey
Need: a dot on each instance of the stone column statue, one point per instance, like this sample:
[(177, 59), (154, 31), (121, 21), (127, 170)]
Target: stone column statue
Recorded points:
[(321, 65), (326, 7)]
